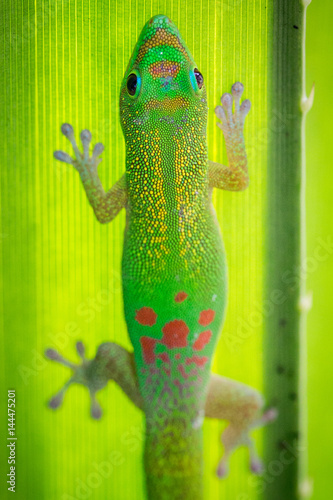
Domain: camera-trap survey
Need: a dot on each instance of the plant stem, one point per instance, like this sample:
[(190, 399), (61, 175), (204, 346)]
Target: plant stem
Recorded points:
[(284, 342)]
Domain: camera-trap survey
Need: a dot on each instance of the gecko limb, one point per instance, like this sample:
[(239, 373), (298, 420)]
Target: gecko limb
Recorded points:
[(106, 205), (226, 399), (88, 373), (242, 406), (112, 362), (234, 177)]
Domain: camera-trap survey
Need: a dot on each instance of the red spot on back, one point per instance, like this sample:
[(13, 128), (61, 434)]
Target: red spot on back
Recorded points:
[(177, 356), (177, 383), (202, 340), (154, 371), (164, 357), (181, 296), (175, 334), (206, 317), (192, 372), (198, 360), (146, 316), (181, 369), (148, 346)]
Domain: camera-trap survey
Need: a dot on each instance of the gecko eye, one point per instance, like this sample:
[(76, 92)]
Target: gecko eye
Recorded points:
[(132, 83), (197, 80), (198, 77)]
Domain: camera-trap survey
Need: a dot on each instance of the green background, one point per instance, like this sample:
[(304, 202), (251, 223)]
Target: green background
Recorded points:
[(63, 61)]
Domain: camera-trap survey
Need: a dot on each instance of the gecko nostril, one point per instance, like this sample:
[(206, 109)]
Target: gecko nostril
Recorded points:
[(159, 19)]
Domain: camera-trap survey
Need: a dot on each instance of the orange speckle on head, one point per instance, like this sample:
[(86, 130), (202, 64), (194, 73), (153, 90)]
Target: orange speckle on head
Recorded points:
[(164, 69), (175, 334), (181, 296), (202, 340), (161, 37), (167, 104), (146, 316), (206, 317)]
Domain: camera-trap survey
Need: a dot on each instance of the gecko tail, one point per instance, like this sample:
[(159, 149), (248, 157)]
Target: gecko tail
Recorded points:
[(173, 455), (174, 460)]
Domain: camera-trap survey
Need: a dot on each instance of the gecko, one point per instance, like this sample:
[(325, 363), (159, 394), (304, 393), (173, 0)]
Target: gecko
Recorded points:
[(174, 271)]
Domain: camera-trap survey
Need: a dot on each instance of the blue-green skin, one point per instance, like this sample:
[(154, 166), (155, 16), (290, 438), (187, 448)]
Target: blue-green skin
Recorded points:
[(170, 198)]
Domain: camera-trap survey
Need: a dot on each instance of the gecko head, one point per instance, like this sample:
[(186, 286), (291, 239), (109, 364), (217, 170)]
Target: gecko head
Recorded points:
[(162, 82)]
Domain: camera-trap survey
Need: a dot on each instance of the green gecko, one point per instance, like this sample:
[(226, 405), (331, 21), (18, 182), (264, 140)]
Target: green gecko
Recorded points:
[(174, 270)]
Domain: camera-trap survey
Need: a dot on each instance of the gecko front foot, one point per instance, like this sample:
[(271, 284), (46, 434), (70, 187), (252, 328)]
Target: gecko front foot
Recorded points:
[(233, 122), (87, 373), (236, 436), (83, 161)]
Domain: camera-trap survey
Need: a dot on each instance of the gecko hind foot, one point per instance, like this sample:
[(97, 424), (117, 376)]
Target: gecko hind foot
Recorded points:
[(233, 438), (84, 374), (233, 122), (83, 160)]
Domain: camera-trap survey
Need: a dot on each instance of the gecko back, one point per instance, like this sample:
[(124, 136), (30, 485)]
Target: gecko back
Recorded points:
[(174, 274)]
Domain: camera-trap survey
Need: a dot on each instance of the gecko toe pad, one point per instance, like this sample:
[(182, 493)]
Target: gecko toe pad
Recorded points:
[(83, 160), (85, 137), (270, 415), (222, 470), (95, 407), (53, 355), (245, 108), (233, 121), (226, 100), (67, 129), (256, 466), (237, 90), (64, 157), (56, 401), (81, 350)]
